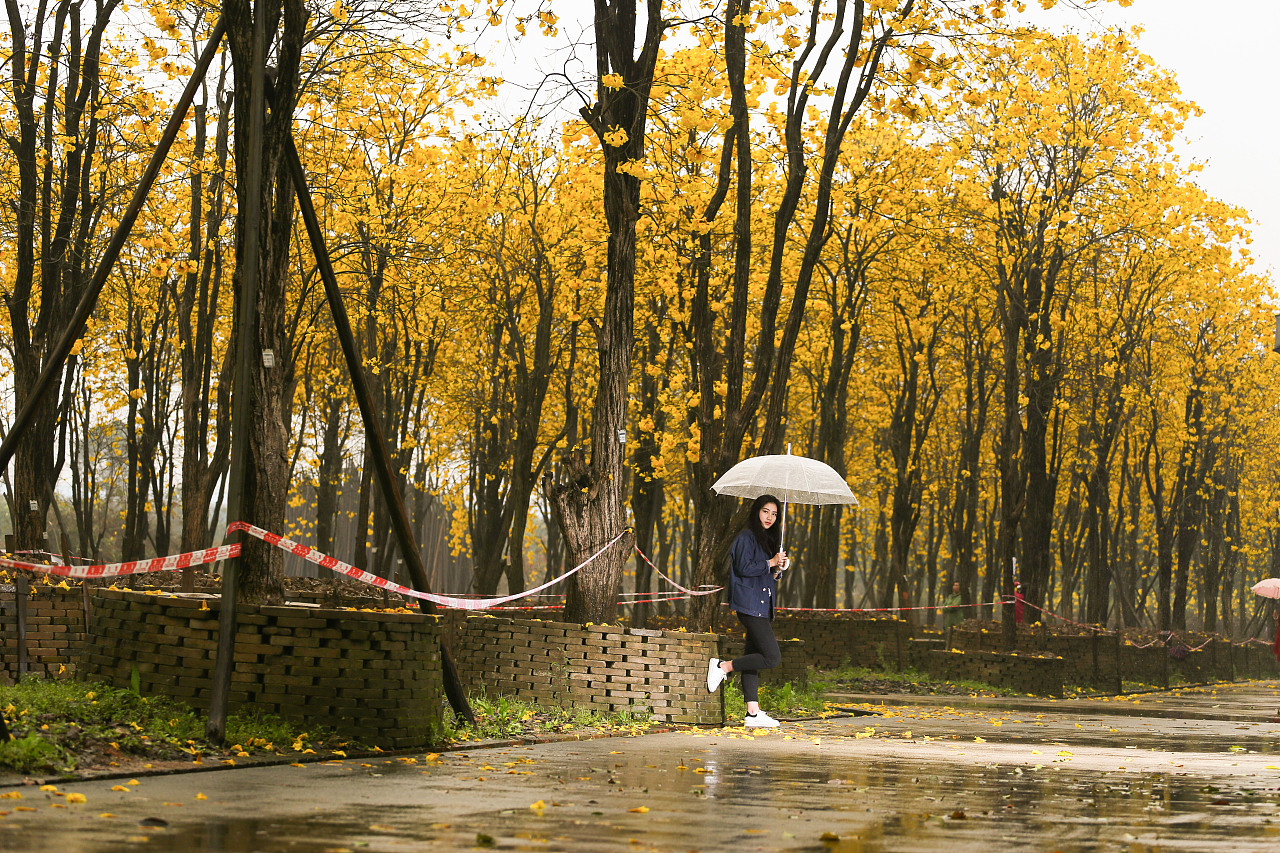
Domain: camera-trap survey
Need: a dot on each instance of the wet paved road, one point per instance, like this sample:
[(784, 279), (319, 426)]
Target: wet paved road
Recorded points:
[(916, 778)]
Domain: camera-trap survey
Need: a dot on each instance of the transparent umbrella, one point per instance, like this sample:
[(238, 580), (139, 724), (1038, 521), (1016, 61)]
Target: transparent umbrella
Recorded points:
[(1269, 588), (794, 479)]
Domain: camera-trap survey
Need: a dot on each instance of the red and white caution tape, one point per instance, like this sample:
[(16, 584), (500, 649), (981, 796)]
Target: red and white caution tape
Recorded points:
[(1056, 616), (135, 567), (701, 591), (881, 609), (311, 555)]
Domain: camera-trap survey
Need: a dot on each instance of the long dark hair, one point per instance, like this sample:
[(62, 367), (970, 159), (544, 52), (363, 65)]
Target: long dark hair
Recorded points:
[(771, 539)]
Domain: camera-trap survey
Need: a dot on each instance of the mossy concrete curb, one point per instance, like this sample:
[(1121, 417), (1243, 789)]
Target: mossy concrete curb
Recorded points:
[(1127, 705), (320, 758)]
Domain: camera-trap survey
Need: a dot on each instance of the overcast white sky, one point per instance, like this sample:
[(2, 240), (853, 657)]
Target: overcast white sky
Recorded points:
[(1224, 53)]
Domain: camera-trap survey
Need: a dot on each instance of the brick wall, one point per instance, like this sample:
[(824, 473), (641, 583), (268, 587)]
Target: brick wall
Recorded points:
[(372, 676), (919, 649), (1254, 660), (832, 640), (1040, 676), (794, 668), (54, 620), (612, 668), (598, 667)]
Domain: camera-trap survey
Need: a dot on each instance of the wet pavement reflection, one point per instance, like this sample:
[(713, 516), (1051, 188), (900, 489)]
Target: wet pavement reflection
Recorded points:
[(914, 779)]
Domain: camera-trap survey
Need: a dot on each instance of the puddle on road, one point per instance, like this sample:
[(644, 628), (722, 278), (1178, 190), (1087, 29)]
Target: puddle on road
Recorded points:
[(721, 795)]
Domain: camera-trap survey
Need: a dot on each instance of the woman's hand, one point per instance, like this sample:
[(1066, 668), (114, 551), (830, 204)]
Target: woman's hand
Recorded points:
[(779, 560)]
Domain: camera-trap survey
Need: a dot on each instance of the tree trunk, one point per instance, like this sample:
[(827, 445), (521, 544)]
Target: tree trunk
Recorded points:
[(329, 476), (198, 310), (647, 493), (49, 259), (589, 497), (266, 485)]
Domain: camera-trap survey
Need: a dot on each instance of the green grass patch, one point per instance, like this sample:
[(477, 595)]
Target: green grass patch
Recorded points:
[(29, 754), (786, 700), (511, 717), (61, 726)]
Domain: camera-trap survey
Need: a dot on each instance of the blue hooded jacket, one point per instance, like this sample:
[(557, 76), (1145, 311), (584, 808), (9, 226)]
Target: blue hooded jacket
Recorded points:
[(751, 584)]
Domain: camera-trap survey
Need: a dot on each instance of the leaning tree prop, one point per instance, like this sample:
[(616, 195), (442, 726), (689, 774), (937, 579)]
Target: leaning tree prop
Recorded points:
[(248, 29)]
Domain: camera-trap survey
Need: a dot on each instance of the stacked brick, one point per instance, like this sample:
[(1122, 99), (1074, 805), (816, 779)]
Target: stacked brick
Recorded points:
[(1254, 660), (660, 674), (919, 650), (1040, 676), (372, 676), (53, 620), (376, 675), (832, 640), (794, 668), (1105, 660)]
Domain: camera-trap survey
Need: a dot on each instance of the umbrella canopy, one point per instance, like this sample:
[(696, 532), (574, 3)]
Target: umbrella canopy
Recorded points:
[(1269, 588), (793, 479)]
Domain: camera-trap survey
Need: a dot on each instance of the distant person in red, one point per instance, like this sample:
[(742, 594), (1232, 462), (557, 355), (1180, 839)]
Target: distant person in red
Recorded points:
[(1018, 606), (1275, 647)]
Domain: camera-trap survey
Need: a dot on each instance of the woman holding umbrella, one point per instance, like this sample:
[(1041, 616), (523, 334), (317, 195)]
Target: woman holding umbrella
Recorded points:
[(757, 560)]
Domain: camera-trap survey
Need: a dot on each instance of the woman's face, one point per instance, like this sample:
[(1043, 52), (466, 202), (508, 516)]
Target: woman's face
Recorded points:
[(768, 515)]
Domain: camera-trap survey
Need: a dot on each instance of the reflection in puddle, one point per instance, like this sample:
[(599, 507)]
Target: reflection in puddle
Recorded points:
[(718, 794)]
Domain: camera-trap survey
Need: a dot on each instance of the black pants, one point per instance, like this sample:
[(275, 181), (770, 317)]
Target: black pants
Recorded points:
[(761, 652)]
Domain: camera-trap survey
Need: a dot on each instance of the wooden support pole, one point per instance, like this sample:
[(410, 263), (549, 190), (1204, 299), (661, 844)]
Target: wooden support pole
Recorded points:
[(373, 427), (62, 349), (247, 354), (21, 589)]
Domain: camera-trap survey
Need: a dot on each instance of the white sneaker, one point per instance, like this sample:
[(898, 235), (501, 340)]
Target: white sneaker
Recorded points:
[(760, 720), (715, 675)]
